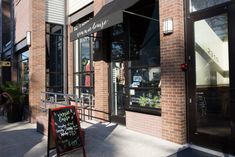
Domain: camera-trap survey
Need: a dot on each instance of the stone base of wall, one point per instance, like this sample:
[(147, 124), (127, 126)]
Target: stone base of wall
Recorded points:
[(144, 123), (42, 124)]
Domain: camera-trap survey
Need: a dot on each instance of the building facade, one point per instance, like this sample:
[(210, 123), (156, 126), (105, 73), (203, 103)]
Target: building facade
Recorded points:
[(159, 67), (170, 83)]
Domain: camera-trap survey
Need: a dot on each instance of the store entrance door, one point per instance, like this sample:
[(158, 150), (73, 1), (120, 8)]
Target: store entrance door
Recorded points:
[(118, 93), (211, 81)]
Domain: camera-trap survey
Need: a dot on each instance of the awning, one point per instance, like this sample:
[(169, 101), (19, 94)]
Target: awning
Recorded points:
[(111, 14)]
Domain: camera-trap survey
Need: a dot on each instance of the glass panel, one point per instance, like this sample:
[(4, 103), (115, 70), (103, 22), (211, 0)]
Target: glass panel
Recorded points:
[(196, 5), (54, 56), (117, 50), (23, 73), (145, 77), (212, 76), (145, 98), (85, 79), (144, 41), (117, 43), (117, 29), (117, 88), (85, 54), (144, 66)]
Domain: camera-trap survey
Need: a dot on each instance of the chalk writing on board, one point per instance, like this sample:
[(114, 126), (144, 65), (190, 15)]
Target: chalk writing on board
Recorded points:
[(66, 129)]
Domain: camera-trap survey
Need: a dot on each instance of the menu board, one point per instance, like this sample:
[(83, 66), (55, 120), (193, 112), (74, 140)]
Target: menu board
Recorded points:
[(66, 129)]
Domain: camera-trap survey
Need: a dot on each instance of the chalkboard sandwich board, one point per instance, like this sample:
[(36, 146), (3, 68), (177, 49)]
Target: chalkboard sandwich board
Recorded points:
[(65, 127)]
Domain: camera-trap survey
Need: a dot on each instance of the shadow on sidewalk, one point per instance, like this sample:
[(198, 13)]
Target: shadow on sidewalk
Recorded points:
[(96, 141), (190, 152), (21, 141)]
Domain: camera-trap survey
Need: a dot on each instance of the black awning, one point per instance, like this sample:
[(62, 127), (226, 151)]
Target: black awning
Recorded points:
[(111, 14)]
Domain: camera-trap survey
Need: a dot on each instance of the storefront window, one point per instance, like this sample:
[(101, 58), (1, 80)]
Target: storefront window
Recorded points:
[(23, 71), (54, 58), (196, 5), (83, 67), (144, 66)]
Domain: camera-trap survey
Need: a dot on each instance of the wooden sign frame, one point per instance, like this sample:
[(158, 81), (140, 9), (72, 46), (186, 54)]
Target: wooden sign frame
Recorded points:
[(52, 137)]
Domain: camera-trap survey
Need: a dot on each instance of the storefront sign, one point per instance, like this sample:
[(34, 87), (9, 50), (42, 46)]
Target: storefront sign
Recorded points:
[(66, 131), (100, 25), (97, 24), (5, 63)]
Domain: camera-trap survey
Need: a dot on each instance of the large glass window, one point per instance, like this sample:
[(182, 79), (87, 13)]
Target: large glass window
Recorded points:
[(83, 67), (54, 58), (212, 75), (196, 5), (144, 66)]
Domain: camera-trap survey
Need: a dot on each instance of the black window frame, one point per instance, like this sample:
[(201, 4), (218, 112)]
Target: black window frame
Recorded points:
[(58, 73), (80, 86)]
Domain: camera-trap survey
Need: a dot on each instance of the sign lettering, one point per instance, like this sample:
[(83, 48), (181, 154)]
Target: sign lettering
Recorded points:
[(66, 129)]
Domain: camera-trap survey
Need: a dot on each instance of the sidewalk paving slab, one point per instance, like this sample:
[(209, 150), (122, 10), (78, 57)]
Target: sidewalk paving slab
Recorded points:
[(101, 140)]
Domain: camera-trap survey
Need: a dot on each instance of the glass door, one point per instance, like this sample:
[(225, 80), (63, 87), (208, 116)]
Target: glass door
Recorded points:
[(210, 82), (118, 49), (117, 92)]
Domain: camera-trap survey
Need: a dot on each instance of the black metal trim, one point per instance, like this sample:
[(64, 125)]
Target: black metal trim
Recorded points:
[(144, 110)]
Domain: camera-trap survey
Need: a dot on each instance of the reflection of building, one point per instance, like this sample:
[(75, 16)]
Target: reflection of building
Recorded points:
[(134, 74)]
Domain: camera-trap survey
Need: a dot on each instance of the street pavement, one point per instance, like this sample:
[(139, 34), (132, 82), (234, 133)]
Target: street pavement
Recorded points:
[(101, 140)]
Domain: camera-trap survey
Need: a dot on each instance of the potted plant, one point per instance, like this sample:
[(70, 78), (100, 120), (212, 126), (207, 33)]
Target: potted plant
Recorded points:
[(13, 102), (148, 102)]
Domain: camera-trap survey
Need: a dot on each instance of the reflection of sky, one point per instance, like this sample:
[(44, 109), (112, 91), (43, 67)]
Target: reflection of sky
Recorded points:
[(117, 48), (85, 49), (25, 55), (202, 4)]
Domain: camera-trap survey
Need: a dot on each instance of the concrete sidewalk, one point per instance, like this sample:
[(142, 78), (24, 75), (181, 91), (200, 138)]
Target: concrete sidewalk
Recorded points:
[(101, 140)]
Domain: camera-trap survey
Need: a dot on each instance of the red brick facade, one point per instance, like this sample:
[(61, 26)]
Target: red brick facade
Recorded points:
[(30, 16), (171, 125), (173, 99), (101, 80), (144, 123), (37, 62), (70, 61)]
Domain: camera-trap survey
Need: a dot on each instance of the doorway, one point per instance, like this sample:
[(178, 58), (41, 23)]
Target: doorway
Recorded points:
[(118, 74), (210, 54), (118, 93)]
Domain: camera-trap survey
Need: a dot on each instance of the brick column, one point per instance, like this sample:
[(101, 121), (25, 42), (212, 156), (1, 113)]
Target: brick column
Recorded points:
[(37, 62), (172, 78), (70, 61), (101, 77)]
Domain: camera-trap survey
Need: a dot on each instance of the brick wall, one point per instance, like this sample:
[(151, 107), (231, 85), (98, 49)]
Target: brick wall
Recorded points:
[(37, 55), (144, 123), (101, 79), (173, 100), (70, 61)]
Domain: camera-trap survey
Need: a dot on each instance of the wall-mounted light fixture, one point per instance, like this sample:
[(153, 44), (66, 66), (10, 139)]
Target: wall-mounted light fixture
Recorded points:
[(28, 38), (168, 26)]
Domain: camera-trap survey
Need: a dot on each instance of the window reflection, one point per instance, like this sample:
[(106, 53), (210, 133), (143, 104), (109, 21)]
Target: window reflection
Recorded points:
[(54, 57), (117, 50), (196, 5), (212, 76), (83, 70), (144, 56), (145, 77), (118, 29), (23, 71)]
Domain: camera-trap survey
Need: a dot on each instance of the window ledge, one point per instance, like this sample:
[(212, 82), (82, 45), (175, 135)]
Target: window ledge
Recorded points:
[(149, 111)]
